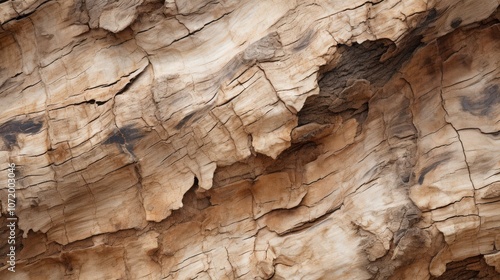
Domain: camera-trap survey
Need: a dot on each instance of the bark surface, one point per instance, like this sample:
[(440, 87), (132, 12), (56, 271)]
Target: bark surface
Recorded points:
[(218, 139)]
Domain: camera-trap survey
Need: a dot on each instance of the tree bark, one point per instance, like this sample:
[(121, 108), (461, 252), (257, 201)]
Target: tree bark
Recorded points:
[(250, 139)]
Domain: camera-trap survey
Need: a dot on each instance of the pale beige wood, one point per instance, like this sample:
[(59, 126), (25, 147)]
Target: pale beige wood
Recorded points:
[(251, 139)]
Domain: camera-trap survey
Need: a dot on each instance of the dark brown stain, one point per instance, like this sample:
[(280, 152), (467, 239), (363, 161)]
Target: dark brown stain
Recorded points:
[(124, 135), (431, 16), (484, 105), (428, 169), (10, 129), (456, 22), (193, 117), (61, 153), (465, 60), (263, 49), (303, 42), (430, 66), (185, 120)]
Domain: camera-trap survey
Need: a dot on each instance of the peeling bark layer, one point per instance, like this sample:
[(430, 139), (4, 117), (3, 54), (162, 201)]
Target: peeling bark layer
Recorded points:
[(251, 139)]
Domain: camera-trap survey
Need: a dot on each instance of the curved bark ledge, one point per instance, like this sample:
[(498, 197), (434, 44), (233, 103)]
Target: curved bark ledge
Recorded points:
[(251, 139)]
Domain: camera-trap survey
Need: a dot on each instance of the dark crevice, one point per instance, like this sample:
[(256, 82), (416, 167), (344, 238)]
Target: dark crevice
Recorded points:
[(374, 61), (27, 15), (121, 91), (470, 268), (310, 224), (98, 103), (190, 34), (193, 202)]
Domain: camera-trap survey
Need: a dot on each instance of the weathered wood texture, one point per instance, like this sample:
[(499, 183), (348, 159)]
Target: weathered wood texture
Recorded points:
[(252, 139)]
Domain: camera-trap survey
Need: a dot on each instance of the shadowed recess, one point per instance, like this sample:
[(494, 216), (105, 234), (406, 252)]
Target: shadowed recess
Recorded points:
[(375, 61), (470, 268)]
